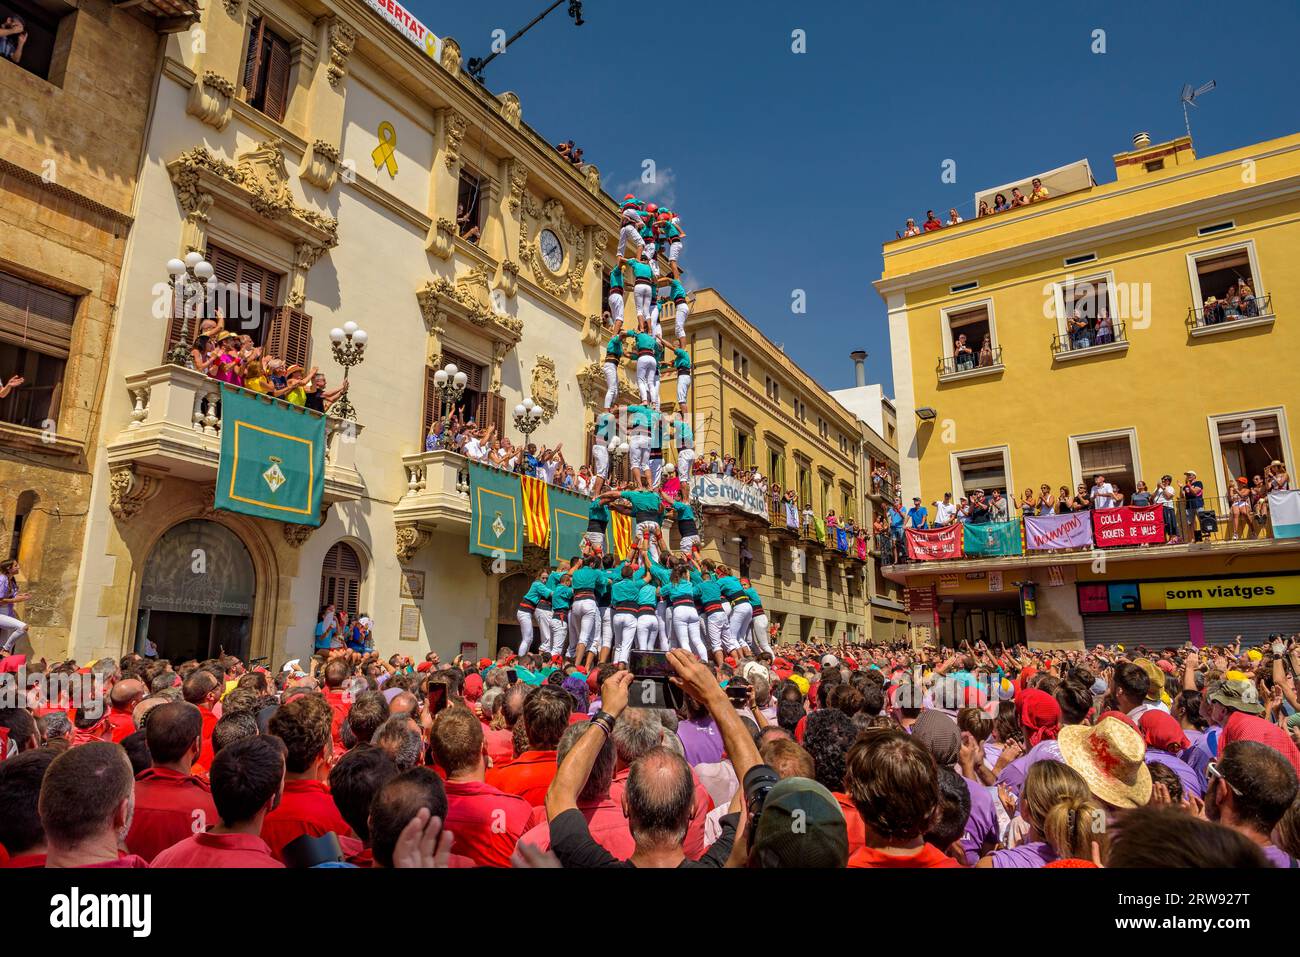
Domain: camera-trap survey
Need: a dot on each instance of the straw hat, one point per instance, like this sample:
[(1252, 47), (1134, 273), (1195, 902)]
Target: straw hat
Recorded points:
[(1156, 676), (1109, 755)]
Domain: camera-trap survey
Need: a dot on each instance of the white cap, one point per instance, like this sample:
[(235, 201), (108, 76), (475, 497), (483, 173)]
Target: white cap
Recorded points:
[(829, 661)]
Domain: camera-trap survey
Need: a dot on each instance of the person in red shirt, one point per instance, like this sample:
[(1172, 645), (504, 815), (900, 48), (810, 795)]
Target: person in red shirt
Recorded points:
[(22, 840), (1235, 706), (339, 697), (486, 821), (306, 808), (605, 817), (86, 801), (171, 803), (203, 690), (247, 783), (354, 781), (546, 715), (122, 699), (894, 784), (398, 803), (500, 741)]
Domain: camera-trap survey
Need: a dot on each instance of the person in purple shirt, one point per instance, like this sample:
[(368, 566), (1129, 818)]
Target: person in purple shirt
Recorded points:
[(941, 736), (700, 737), (1187, 709), (1074, 701), (1165, 741), (1063, 819)]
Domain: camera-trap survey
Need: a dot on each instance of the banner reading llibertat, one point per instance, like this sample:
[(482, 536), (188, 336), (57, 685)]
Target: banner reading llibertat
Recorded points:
[(1050, 532)]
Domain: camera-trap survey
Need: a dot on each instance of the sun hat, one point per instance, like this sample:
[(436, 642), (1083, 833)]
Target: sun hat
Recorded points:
[(801, 825), (1237, 694), (938, 733), (1110, 757), (1154, 675)]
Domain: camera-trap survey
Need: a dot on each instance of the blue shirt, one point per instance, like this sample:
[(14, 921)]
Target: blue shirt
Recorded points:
[(895, 518), (918, 515)]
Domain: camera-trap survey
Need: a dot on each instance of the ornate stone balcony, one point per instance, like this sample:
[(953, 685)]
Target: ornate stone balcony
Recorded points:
[(174, 432), (436, 499)]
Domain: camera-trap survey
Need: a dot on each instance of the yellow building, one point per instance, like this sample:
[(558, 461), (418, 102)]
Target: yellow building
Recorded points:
[(749, 400), (76, 105), (334, 163), (1180, 382)]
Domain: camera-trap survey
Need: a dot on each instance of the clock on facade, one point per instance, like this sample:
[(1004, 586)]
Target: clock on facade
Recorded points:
[(552, 251)]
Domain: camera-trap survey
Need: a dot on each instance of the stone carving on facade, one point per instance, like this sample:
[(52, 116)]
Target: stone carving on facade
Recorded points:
[(235, 8), (593, 327), (296, 535), (450, 56), (410, 539), (509, 281), (511, 109), (546, 387), (209, 99), (591, 385), (342, 38), (321, 166), (593, 177), (534, 560), (518, 180), (469, 299), (454, 126), (551, 215), (129, 490), (442, 238)]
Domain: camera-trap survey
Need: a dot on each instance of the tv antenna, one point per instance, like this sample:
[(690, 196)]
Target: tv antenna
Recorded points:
[(1188, 98)]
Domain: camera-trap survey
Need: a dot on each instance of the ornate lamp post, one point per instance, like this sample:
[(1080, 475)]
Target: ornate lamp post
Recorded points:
[(618, 449), (450, 383), (349, 345), (189, 278), (528, 416)]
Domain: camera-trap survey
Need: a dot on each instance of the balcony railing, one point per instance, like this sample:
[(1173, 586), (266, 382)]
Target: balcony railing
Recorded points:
[(970, 364), (1220, 316), (1090, 340), (437, 491), (175, 432)]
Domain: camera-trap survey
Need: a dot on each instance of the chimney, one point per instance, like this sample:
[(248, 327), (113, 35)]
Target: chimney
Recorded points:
[(1141, 140), (1147, 157), (860, 366)]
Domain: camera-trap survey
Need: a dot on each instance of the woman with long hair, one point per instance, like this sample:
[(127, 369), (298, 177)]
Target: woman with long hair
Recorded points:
[(11, 627), (1064, 821)]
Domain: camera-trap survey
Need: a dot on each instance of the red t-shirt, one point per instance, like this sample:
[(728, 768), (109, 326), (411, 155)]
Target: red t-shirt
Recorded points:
[(204, 763), (529, 776), (122, 860), (122, 725), (487, 821), (217, 850), (693, 845), (605, 820), (500, 745), (306, 808), (857, 830), (929, 856), (25, 860), (169, 807), (340, 703)]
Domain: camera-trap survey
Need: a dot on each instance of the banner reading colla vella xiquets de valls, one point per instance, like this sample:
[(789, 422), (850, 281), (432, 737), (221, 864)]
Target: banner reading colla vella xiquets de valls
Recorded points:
[(272, 462)]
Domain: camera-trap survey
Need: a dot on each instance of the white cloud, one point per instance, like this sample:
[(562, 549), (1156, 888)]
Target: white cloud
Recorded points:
[(662, 190)]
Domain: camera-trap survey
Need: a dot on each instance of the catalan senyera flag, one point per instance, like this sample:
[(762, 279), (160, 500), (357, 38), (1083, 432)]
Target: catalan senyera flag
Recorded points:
[(620, 533), (537, 519)]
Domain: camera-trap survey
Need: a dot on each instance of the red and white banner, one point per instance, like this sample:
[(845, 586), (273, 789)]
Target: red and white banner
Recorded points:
[(1113, 527), (934, 544), (1050, 532)]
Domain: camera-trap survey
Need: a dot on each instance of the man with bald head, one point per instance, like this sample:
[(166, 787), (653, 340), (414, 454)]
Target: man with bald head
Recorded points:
[(122, 699), (171, 802), (86, 802)]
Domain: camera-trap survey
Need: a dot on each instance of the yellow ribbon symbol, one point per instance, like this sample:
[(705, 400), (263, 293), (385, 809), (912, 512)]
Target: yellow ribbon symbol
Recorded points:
[(385, 154)]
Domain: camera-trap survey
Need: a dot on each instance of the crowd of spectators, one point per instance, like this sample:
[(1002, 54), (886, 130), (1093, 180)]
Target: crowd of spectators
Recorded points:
[(1001, 204)]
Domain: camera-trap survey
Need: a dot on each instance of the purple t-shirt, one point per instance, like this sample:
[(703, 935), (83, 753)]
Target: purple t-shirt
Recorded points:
[(701, 741), (1278, 857), (1033, 854), (982, 824), (1191, 781), (1013, 775), (1197, 756)]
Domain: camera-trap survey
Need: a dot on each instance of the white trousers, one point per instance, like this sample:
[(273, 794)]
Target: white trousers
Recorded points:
[(543, 618), (715, 626), (683, 310), (12, 629), (600, 459), (525, 619), (664, 612), (629, 233), (624, 628), (646, 369), (584, 625), (683, 386), (611, 384), (639, 456), (615, 303), (643, 296), (559, 634), (759, 626), (640, 533), (647, 632), (742, 617), (596, 540), (606, 628), (655, 328), (674, 250), (685, 459), (656, 470), (686, 629)]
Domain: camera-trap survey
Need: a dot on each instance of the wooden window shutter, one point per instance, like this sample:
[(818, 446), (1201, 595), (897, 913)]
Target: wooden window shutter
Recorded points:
[(290, 337), (253, 56), (277, 79), (492, 412), (433, 410), (34, 317)]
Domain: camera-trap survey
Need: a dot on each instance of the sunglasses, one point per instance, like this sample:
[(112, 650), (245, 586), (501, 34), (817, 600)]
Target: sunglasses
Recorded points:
[(1212, 770)]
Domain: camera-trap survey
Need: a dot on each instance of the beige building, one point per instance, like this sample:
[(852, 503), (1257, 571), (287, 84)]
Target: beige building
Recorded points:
[(76, 106), (319, 157), (749, 399)]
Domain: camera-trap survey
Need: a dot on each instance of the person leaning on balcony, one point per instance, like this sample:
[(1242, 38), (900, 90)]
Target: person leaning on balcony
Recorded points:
[(1078, 329), (1000, 204), (986, 351), (1039, 191), (932, 222), (318, 398), (962, 354), (1102, 493), (14, 382), (1018, 198), (1046, 500), (1275, 475), (998, 511), (1164, 496), (1105, 328), (13, 37), (911, 229), (1243, 517), (983, 209), (953, 217), (917, 516), (945, 512)]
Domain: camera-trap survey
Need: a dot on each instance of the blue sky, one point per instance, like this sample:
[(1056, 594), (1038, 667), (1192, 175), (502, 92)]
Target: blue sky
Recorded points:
[(789, 170)]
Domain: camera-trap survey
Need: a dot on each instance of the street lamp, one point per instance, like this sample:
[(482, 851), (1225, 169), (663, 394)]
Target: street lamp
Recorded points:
[(190, 279), (618, 450), (349, 345), (528, 416), (450, 383)]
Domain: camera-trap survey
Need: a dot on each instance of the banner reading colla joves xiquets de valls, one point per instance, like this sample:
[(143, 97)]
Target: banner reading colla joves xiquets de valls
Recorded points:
[(272, 462)]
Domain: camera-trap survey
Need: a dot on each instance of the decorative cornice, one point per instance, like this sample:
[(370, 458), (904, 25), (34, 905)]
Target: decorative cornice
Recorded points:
[(454, 128), (129, 490), (26, 176), (409, 539), (342, 38), (469, 301)]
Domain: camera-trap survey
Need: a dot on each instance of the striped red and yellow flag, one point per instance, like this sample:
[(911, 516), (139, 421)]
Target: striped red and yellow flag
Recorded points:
[(620, 534), (537, 519)]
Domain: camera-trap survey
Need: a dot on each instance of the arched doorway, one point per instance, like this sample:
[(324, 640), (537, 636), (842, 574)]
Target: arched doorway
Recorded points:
[(340, 579), (196, 594)]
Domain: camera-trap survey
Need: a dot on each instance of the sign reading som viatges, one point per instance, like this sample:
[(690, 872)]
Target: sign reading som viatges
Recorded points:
[(1221, 592), (406, 24), (727, 490)]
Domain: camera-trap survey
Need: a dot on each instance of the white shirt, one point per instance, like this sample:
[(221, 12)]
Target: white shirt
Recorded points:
[(944, 512), (1103, 495), (473, 450), (1163, 495), (547, 470)]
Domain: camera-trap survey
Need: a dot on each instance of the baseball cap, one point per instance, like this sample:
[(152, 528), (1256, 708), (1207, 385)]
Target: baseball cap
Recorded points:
[(801, 825), (829, 661)]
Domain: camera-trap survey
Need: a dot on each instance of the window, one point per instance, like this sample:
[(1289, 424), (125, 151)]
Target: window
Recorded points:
[(1216, 228), (1226, 286), (739, 364), (1112, 454), (35, 340), (986, 469), (1079, 260), (805, 486), (42, 41), (469, 207), (772, 388), (1154, 165), (848, 502), (476, 403), (340, 579), (964, 287), (776, 467), (246, 293), (743, 442), (1088, 313), (800, 411), (1248, 442), (828, 498), (266, 70), (967, 331), (26, 505)]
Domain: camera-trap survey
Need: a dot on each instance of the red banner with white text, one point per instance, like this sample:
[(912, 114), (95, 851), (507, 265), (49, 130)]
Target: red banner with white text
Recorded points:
[(1113, 527), (934, 544)]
